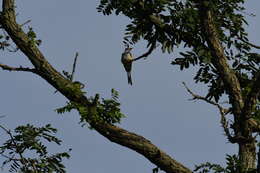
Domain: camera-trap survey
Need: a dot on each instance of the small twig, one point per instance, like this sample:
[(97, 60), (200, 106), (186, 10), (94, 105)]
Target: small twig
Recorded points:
[(222, 111), (195, 96), (148, 52), (10, 158), (13, 49), (70, 76), (9, 68), (251, 44), (28, 21), (74, 66)]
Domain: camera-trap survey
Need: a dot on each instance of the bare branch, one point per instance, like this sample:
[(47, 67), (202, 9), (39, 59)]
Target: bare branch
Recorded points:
[(222, 111), (25, 23), (25, 69), (195, 96), (251, 44), (74, 66), (152, 47)]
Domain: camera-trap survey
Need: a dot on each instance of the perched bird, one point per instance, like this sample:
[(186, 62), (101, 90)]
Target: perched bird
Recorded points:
[(127, 59)]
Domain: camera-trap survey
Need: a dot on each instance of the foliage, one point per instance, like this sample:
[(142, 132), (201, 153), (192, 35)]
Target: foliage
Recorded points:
[(32, 36), (232, 163), (4, 41), (173, 23), (28, 141), (107, 110)]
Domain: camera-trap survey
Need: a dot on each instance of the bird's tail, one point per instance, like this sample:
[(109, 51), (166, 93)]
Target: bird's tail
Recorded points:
[(129, 78)]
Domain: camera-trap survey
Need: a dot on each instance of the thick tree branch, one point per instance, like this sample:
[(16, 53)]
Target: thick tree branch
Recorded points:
[(65, 86), (241, 126), (142, 146), (220, 60)]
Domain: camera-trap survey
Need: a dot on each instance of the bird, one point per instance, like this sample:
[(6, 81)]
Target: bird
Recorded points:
[(127, 60)]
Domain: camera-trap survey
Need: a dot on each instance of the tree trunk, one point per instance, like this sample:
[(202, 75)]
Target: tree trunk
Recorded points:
[(247, 156)]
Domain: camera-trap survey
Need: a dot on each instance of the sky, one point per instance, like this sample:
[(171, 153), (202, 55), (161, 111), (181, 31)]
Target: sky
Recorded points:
[(157, 105)]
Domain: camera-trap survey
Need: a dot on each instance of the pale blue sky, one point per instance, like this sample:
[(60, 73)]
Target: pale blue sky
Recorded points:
[(157, 105)]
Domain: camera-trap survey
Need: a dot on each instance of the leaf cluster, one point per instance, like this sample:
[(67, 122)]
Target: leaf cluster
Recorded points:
[(25, 151), (4, 42), (107, 110), (33, 38), (232, 163)]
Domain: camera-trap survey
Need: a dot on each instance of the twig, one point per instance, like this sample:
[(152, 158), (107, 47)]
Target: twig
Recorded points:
[(10, 158), (70, 76), (28, 21), (148, 52), (195, 96), (251, 44), (9, 68), (222, 111), (74, 66)]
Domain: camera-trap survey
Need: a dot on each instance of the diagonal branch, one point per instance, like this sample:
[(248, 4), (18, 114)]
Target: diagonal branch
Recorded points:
[(220, 60), (65, 87)]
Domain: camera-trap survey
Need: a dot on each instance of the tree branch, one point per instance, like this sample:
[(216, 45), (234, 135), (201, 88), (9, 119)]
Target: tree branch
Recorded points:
[(74, 66), (220, 60), (222, 111), (9, 68), (195, 97), (251, 44), (254, 124), (152, 47), (65, 86)]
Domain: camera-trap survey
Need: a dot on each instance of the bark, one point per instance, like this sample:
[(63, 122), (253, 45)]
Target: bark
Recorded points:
[(65, 86), (247, 155), (242, 128)]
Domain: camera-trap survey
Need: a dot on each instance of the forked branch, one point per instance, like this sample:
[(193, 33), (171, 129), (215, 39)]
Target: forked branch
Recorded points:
[(223, 112)]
